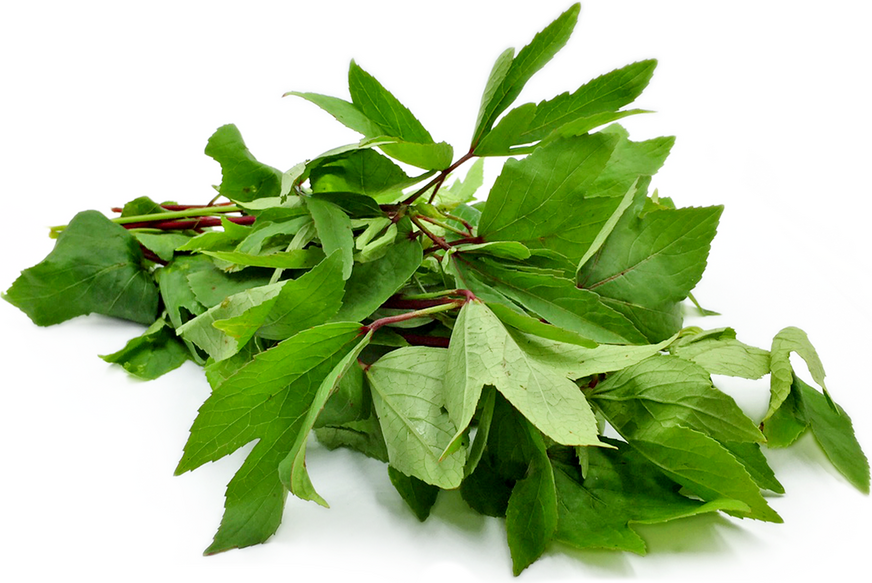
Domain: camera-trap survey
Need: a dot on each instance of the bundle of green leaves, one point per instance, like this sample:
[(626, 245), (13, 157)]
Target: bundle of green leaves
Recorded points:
[(527, 349)]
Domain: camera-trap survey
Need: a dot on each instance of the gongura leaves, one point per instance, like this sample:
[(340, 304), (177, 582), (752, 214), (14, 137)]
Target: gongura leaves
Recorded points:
[(492, 344)]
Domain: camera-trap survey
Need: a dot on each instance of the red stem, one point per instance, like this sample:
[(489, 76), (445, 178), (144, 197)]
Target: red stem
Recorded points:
[(189, 224)]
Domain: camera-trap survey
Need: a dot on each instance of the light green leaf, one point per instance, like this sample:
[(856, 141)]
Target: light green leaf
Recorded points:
[(255, 304), (508, 131), (360, 171), (462, 191), (267, 399), (374, 282), (490, 98), (410, 399), (790, 340), (436, 156), (719, 352), (294, 259), (96, 267), (243, 178), (666, 390), (751, 456), (292, 470), (482, 352), (334, 231), (310, 300)]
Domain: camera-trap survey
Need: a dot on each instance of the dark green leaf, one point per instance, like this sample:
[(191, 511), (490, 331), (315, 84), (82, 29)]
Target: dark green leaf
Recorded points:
[(419, 495), (243, 178), (95, 267), (155, 353)]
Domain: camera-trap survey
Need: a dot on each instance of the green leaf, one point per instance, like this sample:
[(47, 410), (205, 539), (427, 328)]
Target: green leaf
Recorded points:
[(310, 300), (788, 422), (267, 400), (490, 98), (252, 304), (345, 113), (643, 271), (576, 362), (462, 191), (156, 352), (668, 390), (607, 93), (359, 171), (555, 299), (694, 460), (785, 342), (211, 285), (751, 456), (419, 495), (620, 488), (427, 156), (379, 105), (719, 352), (482, 352), (95, 267), (294, 259), (243, 178), (833, 430), (292, 470), (374, 282), (530, 325), (531, 515), (508, 131), (334, 231), (536, 197), (363, 436), (529, 60), (415, 414), (163, 245)]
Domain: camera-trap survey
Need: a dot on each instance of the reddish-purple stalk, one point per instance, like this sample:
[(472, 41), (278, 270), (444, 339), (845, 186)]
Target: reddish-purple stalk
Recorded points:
[(197, 223), (178, 207)]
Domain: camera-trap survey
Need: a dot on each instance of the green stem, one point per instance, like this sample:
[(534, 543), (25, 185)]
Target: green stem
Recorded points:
[(445, 226), (168, 215)]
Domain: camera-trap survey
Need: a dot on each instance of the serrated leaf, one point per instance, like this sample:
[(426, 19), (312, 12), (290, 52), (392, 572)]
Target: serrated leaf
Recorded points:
[(243, 178), (834, 432), (643, 271), (95, 267), (529, 60), (292, 469), (385, 110), (606, 93), (535, 197), (666, 390), (415, 414), (345, 113), (530, 325), (267, 399)]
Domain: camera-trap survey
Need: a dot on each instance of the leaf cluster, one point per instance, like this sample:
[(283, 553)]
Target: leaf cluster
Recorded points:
[(526, 349)]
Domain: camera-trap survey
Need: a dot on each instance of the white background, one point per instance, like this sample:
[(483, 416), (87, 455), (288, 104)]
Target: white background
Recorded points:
[(104, 102)]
